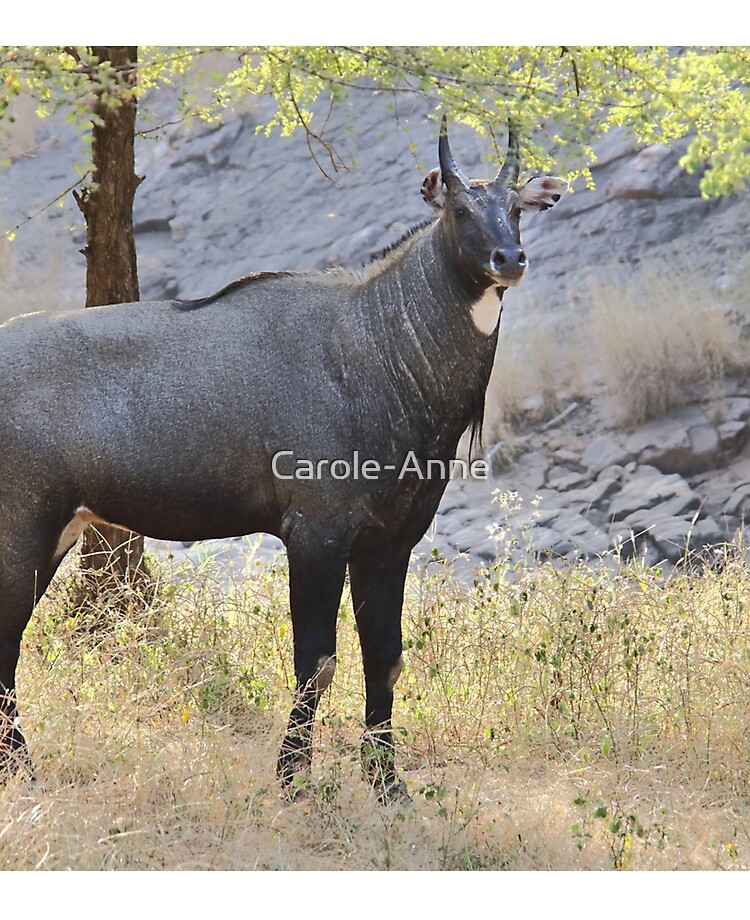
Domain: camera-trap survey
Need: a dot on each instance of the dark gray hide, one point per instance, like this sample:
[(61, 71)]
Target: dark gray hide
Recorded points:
[(164, 418)]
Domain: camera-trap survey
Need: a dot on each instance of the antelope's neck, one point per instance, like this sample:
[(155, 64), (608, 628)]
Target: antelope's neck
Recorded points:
[(432, 345)]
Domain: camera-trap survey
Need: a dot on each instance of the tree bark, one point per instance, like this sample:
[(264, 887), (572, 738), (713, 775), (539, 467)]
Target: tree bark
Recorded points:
[(111, 556)]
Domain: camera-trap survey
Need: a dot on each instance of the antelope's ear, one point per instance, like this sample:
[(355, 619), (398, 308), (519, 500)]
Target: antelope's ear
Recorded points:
[(432, 190), (542, 192)]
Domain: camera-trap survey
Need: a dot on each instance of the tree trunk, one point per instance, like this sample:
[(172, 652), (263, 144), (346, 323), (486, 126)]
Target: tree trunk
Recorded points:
[(112, 556)]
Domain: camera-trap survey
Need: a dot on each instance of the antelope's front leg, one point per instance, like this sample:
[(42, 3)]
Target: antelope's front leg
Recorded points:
[(316, 580), (378, 595)]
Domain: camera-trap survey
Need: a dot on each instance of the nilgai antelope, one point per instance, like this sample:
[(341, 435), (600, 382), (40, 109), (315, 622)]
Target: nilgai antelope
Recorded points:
[(188, 420)]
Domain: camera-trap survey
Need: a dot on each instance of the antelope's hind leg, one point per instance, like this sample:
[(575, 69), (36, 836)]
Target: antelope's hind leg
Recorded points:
[(27, 564)]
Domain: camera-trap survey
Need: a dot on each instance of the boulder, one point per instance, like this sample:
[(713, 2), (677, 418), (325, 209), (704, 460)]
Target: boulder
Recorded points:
[(654, 173)]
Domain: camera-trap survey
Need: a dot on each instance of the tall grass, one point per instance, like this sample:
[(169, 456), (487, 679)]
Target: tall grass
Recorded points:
[(593, 717), (537, 366), (658, 338)]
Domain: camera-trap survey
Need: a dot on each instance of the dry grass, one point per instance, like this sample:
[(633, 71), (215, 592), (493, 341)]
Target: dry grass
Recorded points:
[(657, 338), (653, 338), (537, 368), (586, 719)]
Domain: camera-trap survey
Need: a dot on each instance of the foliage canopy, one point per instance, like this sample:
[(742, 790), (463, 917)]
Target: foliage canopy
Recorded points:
[(560, 96)]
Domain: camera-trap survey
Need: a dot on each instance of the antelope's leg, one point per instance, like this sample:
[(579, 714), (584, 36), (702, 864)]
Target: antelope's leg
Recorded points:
[(378, 595), (316, 580), (27, 564)]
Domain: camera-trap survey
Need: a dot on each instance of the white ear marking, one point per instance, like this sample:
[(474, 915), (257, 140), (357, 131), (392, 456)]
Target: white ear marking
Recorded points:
[(542, 192), (432, 190)]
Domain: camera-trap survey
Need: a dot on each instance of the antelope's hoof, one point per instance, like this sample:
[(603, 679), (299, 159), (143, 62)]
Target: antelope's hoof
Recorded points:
[(389, 789), (293, 772), (394, 792)]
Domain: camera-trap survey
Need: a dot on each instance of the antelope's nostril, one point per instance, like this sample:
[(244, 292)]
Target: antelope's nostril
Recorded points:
[(512, 259)]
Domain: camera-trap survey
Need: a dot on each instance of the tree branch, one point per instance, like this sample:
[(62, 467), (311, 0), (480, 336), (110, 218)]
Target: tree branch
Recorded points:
[(9, 234)]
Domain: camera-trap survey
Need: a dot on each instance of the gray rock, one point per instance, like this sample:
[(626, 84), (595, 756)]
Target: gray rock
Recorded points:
[(736, 408), (615, 472), (179, 227), (705, 446), (616, 144), (682, 442), (470, 538), (627, 544), (739, 501), (672, 537), (452, 499), (645, 491), (597, 493), (571, 523), (487, 552), (565, 547), (706, 532), (602, 452), (542, 515), (558, 471), (683, 504), (593, 543), (532, 479), (552, 499), (570, 480), (567, 457), (483, 514), (688, 416), (547, 540), (208, 142), (671, 453), (356, 248), (733, 436), (653, 173)]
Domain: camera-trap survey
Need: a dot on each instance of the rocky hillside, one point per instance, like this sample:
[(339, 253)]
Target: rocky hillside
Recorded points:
[(219, 202)]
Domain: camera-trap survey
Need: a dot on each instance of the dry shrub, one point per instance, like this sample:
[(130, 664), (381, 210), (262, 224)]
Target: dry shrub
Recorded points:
[(658, 337), (588, 718), (653, 337), (536, 367)]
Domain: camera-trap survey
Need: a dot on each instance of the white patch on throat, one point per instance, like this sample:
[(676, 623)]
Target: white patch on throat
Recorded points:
[(486, 312)]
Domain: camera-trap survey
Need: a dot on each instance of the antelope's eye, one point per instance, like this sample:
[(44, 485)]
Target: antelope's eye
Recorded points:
[(458, 211)]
